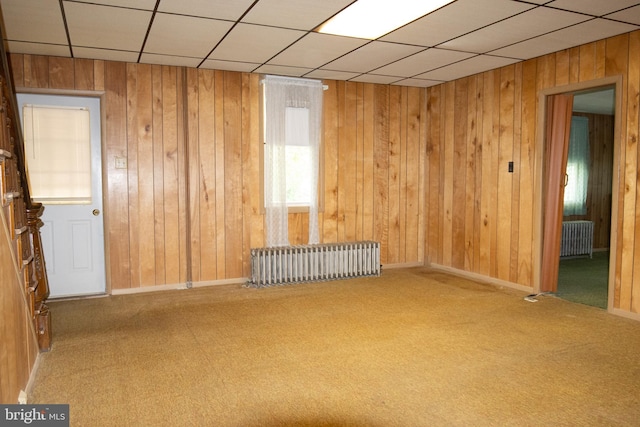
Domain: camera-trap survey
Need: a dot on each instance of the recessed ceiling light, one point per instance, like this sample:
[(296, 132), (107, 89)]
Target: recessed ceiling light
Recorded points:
[(370, 19)]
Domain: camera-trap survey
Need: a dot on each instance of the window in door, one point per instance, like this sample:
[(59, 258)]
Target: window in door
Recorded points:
[(58, 153)]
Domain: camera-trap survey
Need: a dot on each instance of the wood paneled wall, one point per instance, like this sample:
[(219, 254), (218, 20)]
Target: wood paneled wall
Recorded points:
[(19, 346), (479, 216), (601, 133), (192, 143)]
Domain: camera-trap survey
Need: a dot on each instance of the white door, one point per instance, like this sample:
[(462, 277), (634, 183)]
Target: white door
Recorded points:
[(73, 232)]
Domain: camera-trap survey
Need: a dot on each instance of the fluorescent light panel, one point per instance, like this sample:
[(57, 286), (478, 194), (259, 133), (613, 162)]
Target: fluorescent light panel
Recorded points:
[(370, 19)]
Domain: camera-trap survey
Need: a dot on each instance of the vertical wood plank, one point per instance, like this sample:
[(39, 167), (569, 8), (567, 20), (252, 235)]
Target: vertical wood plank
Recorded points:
[(249, 137), (37, 71), (616, 62), (330, 143), (526, 173), (173, 239), (505, 155), (117, 222), (192, 153), (98, 75), (133, 177), (381, 171), (207, 183), (414, 161), (393, 159), (487, 182), (221, 173), (61, 73), (16, 62), (368, 167), (470, 244), (563, 74), (144, 143), (515, 180), (233, 169), (158, 175), (587, 62), (458, 171), (479, 163), (359, 155), (630, 179), (83, 74), (574, 64)]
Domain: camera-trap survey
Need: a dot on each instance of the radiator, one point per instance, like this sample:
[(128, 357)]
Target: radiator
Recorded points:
[(313, 263), (577, 238)]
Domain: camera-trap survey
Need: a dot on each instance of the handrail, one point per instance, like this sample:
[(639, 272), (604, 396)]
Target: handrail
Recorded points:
[(25, 214)]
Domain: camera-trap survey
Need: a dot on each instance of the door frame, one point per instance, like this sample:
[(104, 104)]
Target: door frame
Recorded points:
[(103, 155), (538, 208)]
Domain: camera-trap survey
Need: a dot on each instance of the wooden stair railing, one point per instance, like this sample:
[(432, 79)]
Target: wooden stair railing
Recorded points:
[(22, 213)]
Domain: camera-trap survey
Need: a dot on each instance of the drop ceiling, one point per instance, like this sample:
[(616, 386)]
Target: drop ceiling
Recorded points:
[(277, 36)]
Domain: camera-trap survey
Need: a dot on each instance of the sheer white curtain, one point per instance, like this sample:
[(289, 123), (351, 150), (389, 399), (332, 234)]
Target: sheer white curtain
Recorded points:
[(293, 117), (577, 179)]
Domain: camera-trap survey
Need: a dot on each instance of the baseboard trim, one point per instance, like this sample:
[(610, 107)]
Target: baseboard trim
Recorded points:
[(178, 286), (32, 378), (402, 265), (626, 314), (480, 278)]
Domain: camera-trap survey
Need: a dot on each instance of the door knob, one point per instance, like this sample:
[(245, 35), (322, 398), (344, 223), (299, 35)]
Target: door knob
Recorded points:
[(96, 212)]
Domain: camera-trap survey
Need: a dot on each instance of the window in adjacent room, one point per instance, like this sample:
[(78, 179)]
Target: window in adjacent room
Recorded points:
[(577, 178), (292, 123)]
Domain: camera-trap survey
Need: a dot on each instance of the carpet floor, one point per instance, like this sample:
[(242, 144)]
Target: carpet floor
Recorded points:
[(413, 347)]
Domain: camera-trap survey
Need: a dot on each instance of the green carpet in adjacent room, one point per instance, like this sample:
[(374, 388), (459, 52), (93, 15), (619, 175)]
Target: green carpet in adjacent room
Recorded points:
[(585, 280)]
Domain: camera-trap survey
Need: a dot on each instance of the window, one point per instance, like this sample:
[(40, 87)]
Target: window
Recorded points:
[(292, 122), (57, 144), (577, 178)]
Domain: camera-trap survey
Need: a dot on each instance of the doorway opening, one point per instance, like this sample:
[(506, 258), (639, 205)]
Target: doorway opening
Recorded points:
[(586, 223), (583, 274)]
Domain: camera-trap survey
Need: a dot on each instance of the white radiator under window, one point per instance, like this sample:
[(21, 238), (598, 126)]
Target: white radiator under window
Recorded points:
[(577, 238), (312, 263)]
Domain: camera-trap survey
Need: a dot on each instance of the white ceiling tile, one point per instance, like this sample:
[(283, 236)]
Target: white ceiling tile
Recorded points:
[(585, 32), (298, 14), (315, 50), (331, 75), (283, 70), (515, 29), (455, 19), (33, 21), (631, 15), (106, 27), (38, 49), (178, 61), (372, 56), (475, 65), (374, 78), (243, 67), (422, 62), (105, 54), (131, 4), (220, 9), (166, 37), (417, 82), (254, 43), (593, 7)]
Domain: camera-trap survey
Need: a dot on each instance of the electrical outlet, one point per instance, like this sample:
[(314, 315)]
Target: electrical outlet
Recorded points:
[(121, 162)]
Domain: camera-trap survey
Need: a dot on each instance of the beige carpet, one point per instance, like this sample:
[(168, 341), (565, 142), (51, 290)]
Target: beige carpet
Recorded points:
[(411, 348)]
